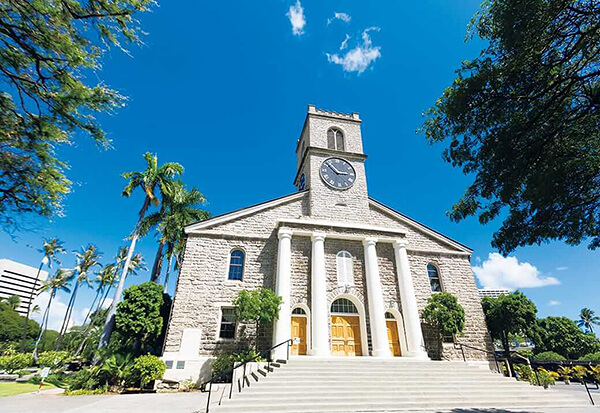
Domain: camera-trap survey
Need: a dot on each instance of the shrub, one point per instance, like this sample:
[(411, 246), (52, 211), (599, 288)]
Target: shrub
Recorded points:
[(525, 353), (549, 356), (580, 372), (565, 373), (84, 392), (15, 361), (85, 379), (58, 379), (444, 313), (225, 361), (591, 357), (147, 368), (595, 372), (524, 371), (54, 359), (544, 377)]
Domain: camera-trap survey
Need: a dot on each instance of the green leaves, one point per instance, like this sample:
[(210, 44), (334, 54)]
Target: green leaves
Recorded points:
[(444, 313), (259, 306), (47, 53), (523, 117)]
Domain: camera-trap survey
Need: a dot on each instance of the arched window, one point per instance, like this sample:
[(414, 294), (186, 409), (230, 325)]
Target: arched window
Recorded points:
[(236, 265), (343, 305), (335, 139), (389, 316), (298, 311), (345, 272), (434, 278)]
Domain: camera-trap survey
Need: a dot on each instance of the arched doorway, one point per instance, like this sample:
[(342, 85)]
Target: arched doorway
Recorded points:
[(299, 331), (345, 329), (392, 332)]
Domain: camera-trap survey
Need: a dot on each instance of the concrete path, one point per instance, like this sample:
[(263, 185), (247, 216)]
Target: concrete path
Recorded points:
[(51, 401)]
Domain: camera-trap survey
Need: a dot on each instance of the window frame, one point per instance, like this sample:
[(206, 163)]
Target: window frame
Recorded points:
[(439, 277), (337, 133), (228, 269), (348, 276), (220, 324), (356, 313)]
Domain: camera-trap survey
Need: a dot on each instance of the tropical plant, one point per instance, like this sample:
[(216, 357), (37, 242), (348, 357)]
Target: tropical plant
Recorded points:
[(591, 357), (179, 209), (544, 377), (580, 372), (14, 301), (548, 356), (524, 371), (51, 248), (86, 259), (225, 361), (117, 369), (48, 50), (59, 282), (147, 368), (587, 319), (260, 306), (509, 314), (444, 314), (595, 373), (155, 182), (565, 373), (104, 278), (522, 118)]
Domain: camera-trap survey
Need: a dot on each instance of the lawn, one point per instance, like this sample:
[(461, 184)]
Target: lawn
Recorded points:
[(12, 388)]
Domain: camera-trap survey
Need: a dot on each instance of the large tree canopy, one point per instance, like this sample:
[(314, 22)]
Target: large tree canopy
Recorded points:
[(49, 53), (524, 118), (561, 335)]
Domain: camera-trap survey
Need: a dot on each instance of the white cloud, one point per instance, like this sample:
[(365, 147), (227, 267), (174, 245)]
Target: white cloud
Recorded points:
[(562, 268), (345, 42), (554, 302), (499, 272), (297, 19), (345, 17), (57, 311), (359, 58), (478, 259)]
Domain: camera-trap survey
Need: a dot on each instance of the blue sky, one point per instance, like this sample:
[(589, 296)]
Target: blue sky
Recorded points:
[(224, 90)]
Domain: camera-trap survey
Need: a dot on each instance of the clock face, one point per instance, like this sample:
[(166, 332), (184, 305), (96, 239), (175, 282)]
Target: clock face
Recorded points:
[(337, 173), (302, 185)]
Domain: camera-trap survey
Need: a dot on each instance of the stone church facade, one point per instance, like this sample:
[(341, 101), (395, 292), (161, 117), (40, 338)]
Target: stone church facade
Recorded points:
[(353, 273)]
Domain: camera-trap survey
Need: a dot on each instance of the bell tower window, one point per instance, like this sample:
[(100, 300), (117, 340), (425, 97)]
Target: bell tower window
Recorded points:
[(335, 139)]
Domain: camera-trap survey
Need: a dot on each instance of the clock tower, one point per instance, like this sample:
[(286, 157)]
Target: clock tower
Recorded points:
[(331, 166)]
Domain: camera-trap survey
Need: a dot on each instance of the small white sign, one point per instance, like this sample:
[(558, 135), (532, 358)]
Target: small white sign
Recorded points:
[(45, 372)]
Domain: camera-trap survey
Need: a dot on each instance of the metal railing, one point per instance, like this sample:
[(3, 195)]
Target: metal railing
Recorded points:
[(264, 354), (462, 346)]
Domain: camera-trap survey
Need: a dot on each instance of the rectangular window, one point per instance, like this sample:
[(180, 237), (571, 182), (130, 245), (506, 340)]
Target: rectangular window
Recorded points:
[(180, 365), (448, 338), (227, 329), (169, 364)]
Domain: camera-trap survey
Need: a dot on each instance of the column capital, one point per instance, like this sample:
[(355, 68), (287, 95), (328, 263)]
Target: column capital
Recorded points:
[(400, 243), (318, 236), (284, 233), (369, 241)]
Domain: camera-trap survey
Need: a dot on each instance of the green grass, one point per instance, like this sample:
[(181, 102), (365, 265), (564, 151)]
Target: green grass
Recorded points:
[(12, 388)]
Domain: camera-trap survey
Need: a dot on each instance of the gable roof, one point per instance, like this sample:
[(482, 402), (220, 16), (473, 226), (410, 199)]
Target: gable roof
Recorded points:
[(239, 213), (423, 228)]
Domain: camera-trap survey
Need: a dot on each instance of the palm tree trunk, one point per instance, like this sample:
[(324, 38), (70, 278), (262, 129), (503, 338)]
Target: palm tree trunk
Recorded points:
[(65, 325), (156, 268), (168, 273), (33, 288), (101, 303), (43, 326), (92, 306)]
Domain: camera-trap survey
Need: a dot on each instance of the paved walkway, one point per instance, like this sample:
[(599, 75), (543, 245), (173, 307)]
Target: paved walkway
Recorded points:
[(52, 401)]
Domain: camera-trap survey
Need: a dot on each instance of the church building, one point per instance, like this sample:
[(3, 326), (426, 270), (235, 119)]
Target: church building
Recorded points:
[(353, 274)]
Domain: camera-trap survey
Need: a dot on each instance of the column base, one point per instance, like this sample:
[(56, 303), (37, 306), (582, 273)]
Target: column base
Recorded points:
[(319, 353), (382, 353)]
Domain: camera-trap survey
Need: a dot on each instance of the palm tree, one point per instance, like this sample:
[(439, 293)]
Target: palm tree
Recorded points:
[(587, 318), (14, 301), (85, 261), (137, 263), (60, 282), (51, 248), (154, 178), (103, 278), (179, 209)]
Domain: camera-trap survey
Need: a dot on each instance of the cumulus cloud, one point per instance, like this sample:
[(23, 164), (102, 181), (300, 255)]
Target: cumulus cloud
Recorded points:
[(500, 272), (345, 42), (58, 309), (554, 302), (345, 17), (297, 19), (359, 58)]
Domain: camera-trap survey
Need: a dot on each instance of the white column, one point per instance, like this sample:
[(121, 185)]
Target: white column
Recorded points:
[(319, 313), (410, 311), (379, 336), (282, 328)]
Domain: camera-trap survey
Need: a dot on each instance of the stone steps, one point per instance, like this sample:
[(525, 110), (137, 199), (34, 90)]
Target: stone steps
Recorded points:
[(360, 385)]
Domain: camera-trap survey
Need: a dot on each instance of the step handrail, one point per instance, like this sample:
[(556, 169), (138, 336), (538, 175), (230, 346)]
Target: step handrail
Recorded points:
[(462, 350), (262, 354)]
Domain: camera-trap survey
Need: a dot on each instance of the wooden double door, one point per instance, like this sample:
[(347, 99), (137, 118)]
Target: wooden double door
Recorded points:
[(345, 335), (393, 340)]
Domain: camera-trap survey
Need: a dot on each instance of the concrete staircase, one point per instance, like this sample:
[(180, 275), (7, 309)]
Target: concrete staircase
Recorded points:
[(371, 385)]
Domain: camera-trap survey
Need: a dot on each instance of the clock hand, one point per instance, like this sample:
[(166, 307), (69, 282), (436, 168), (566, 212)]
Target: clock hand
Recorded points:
[(336, 171)]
